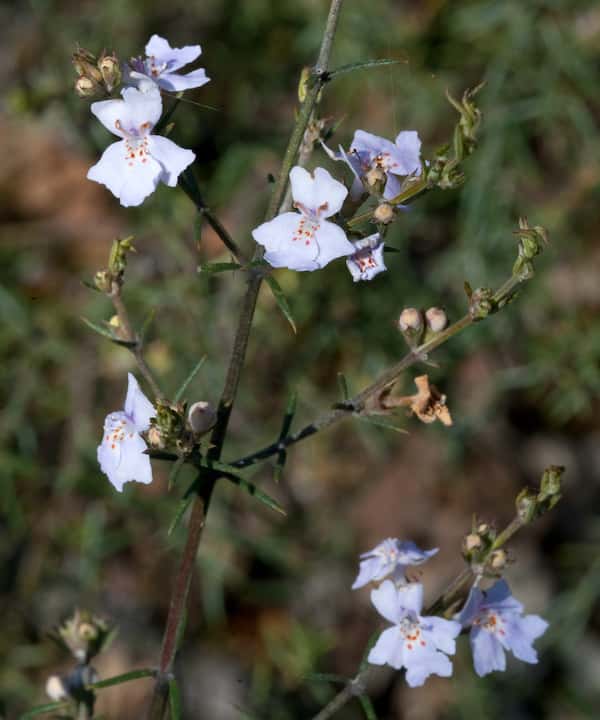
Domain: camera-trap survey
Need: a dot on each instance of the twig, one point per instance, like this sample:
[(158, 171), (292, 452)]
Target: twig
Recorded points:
[(130, 335), (201, 503)]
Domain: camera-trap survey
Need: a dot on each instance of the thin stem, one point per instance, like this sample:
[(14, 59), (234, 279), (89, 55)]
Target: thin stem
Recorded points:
[(202, 501), (131, 336), (358, 403)]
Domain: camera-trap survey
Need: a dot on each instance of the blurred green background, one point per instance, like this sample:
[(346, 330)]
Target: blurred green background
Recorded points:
[(271, 601)]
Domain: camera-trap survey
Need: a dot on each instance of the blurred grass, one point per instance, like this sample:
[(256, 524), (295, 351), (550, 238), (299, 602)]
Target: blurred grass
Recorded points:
[(523, 388)]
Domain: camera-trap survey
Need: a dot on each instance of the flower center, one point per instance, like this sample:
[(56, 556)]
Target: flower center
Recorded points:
[(411, 631), (365, 261), (491, 621), (136, 142), (154, 67), (116, 429), (305, 232)]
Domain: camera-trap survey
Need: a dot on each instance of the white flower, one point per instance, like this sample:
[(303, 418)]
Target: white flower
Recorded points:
[(305, 240), (367, 260), (161, 63), (419, 644), (121, 453), (390, 557), (132, 168)]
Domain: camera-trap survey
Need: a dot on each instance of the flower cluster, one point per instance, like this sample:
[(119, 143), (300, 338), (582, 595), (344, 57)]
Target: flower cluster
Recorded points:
[(132, 168), (422, 644)]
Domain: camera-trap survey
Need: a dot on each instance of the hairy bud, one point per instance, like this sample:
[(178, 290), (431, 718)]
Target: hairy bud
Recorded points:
[(437, 320), (201, 417), (55, 688), (110, 70), (410, 324), (498, 559), (384, 213), (85, 87), (84, 635)]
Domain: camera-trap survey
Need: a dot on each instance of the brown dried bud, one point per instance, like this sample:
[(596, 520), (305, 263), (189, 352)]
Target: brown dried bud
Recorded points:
[(483, 529), (110, 70), (437, 320), (472, 542), (201, 417), (498, 559), (155, 438), (86, 87), (384, 213), (375, 175)]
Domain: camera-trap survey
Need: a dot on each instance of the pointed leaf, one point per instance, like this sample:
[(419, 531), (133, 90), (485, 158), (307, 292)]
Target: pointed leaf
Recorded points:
[(290, 411), (146, 324), (343, 383), (42, 709), (256, 492), (174, 472), (125, 677), (367, 707), (365, 65), (214, 268), (281, 300), (184, 385), (182, 507), (174, 700), (383, 424), (107, 333)]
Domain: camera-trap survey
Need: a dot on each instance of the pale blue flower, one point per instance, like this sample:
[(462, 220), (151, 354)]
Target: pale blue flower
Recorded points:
[(394, 159), (132, 168), (390, 557), (498, 624), (162, 62), (121, 453), (419, 644), (367, 260), (305, 240)]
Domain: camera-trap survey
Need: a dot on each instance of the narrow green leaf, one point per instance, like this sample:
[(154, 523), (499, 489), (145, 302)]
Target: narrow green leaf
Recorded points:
[(174, 700), (43, 709), (164, 121), (343, 384), (174, 472), (90, 285), (327, 677), (281, 300), (189, 378), (383, 424), (256, 492), (107, 333), (367, 707), (391, 248), (290, 411), (125, 677), (146, 324), (214, 268), (184, 504), (365, 65)]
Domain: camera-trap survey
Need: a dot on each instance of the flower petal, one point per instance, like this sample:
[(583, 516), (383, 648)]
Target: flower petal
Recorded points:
[(134, 465), (172, 158), (520, 634), (178, 83), (420, 665), (332, 243), (319, 195), (488, 654), (137, 406), (160, 49), (386, 600), (408, 153), (127, 116), (471, 608), (500, 597), (369, 570), (285, 246), (388, 650), (441, 633), (131, 183)]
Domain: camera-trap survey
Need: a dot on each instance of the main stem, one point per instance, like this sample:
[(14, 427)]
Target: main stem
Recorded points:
[(201, 503)]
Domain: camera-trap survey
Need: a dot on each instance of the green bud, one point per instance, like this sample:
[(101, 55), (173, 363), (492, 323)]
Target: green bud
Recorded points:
[(117, 260), (410, 324), (84, 635), (481, 303), (550, 486), (526, 504), (103, 281)]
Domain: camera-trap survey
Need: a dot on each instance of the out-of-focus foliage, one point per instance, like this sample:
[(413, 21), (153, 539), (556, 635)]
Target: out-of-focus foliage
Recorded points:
[(272, 603)]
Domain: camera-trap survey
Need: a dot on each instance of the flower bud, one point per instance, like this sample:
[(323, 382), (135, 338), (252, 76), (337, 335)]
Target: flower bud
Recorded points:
[(481, 303), (103, 281), (155, 438), (55, 688), (498, 559), (472, 542), (384, 213), (410, 319), (374, 175), (526, 504), (110, 70), (437, 320), (84, 635), (86, 87), (201, 417), (550, 493)]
